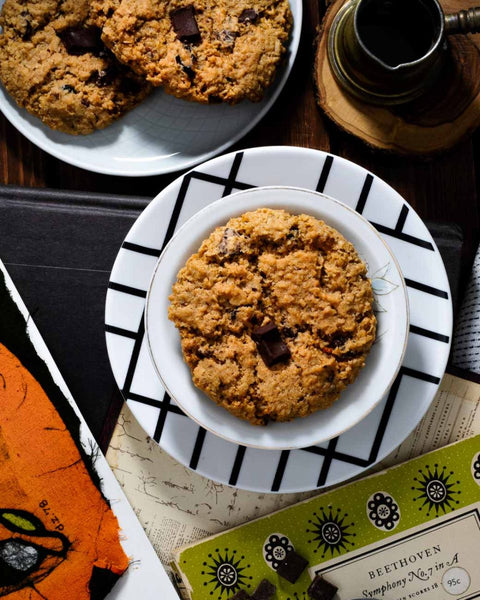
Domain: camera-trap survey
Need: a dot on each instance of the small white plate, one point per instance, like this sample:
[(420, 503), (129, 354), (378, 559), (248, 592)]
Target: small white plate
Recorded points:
[(162, 134), (357, 400)]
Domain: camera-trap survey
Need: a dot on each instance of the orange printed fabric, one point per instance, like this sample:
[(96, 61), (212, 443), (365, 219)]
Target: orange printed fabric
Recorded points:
[(58, 536)]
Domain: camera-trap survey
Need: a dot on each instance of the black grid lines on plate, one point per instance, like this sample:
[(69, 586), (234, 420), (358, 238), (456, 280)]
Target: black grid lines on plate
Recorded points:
[(330, 453), (397, 232), (229, 184)]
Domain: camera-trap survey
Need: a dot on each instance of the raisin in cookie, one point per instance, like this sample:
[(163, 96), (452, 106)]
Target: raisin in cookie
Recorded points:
[(203, 51), (275, 315), (54, 64)]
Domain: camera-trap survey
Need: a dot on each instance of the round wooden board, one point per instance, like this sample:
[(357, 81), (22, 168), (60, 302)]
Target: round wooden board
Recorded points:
[(446, 114)]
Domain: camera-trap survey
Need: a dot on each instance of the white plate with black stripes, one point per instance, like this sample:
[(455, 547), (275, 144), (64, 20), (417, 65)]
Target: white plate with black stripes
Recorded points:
[(163, 134), (391, 420)]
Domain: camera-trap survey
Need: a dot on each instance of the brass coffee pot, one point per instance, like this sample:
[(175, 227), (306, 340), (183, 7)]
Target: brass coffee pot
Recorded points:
[(389, 52)]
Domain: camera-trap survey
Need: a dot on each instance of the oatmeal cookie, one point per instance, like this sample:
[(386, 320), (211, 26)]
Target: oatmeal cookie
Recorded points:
[(101, 10), (275, 315), (54, 64), (203, 51)]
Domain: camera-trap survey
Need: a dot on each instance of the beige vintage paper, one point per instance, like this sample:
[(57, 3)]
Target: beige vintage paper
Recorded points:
[(177, 506), (453, 416), (174, 504)]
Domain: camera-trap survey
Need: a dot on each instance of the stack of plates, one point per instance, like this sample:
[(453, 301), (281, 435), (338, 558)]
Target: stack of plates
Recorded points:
[(381, 423)]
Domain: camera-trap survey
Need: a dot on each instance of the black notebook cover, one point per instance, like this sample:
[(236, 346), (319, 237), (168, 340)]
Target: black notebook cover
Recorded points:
[(59, 248)]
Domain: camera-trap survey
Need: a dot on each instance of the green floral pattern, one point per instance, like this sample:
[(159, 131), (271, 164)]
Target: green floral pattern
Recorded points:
[(335, 523)]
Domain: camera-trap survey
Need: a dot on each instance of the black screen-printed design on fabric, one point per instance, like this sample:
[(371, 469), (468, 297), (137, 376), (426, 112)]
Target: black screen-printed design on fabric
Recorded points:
[(476, 468), (28, 551), (275, 549), (226, 573), (330, 531), (435, 489), (383, 511)]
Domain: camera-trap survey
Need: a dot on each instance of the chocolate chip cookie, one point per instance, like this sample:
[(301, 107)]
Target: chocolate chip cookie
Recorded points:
[(204, 51), (275, 315), (54, 63)]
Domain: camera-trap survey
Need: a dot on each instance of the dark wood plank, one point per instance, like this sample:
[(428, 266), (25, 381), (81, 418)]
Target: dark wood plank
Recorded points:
[(443, 188), (21, 162)]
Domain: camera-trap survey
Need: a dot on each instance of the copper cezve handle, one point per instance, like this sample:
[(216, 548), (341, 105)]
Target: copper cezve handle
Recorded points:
[(465, 21)]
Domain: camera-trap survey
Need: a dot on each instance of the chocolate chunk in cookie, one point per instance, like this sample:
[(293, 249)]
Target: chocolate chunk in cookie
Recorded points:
[(105, 76), (185, 25), (249, 15), (227, 38), (270, 345), (80, 40), (190, 73)]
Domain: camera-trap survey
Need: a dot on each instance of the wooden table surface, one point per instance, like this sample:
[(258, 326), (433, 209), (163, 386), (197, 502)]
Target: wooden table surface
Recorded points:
[(443, 188)]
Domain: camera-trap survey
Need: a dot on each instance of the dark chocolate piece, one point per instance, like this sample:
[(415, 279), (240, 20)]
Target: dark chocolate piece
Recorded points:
[(227, 37), (264, 591), (240, 595), (189, 72), (249, 15), (270, 345), (338, 340), (104, 76), (185, 24), (80, 40), (27, 34), (293, 232), (104, 52), (129, 85), (226, 246), (107, 76), (292, 566), (320, 589), (69, 88)]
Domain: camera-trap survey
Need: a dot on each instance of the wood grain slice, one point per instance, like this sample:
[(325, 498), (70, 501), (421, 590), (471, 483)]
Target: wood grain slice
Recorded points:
[(446, 114)]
